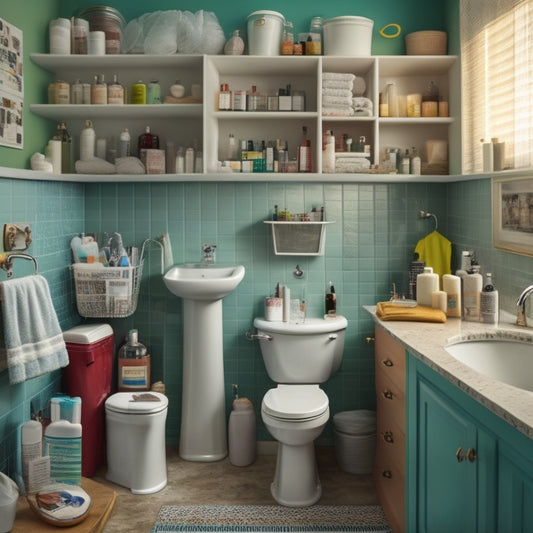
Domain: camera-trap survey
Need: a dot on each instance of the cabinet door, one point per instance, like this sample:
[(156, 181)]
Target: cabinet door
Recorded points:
[(515, 497), (446, 465)]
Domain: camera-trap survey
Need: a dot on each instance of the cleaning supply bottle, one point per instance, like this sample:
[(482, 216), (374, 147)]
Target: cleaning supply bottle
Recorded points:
[(331, 302), (133, 365), (241, 431), (489, 301), (426, 283)]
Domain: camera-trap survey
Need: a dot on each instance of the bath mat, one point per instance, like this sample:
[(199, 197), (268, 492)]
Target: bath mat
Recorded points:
[(271, 518)]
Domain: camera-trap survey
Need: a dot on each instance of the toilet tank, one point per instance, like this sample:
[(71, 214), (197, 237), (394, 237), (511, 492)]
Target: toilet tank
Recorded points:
[(302, 353)]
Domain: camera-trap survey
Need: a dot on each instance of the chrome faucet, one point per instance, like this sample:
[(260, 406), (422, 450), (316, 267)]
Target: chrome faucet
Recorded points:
[(521, 319), (208, 253)]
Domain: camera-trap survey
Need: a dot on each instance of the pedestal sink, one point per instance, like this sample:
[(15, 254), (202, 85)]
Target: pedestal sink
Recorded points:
[(203, 411)]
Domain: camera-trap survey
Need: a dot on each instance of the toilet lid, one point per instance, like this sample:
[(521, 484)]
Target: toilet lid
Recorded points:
[(126, 402), (295, 402)]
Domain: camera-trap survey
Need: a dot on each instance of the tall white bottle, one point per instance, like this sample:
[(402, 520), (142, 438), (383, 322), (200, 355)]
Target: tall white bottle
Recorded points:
[(87, 142), (472, 286), (426, 283), (451, 285), (124, 143), (489, 302)]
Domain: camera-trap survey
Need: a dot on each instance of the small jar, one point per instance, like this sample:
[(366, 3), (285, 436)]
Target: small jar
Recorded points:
[(108, 20), (287, 45)]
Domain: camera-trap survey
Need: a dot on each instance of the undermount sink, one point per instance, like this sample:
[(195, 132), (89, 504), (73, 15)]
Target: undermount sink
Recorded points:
[(199, 281), (503, 357)]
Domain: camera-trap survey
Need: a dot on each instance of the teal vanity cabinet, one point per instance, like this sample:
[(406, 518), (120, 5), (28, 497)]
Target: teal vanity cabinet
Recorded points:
[(468, 470)]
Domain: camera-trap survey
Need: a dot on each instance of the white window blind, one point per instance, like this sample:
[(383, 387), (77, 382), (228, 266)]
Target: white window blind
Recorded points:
[(497, 80)]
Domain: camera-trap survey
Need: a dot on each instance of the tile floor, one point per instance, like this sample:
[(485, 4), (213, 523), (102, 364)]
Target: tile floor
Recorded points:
[(224, 484)]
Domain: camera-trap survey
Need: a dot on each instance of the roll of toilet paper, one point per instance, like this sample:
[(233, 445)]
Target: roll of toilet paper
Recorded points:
[(274, 309)]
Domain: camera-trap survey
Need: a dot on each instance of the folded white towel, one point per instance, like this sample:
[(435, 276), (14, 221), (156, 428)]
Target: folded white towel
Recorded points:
[(328, 91), (337, 84), (129, 165), (31, 341), (343, 76), (95, 165), (337, 111), (337, 100)]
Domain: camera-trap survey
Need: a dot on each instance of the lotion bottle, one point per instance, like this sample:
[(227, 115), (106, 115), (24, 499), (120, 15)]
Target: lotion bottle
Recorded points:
[(472, 287), (331, 302), (62, 443), (426, 283), (451, 285), (489, 302), (87, 142)]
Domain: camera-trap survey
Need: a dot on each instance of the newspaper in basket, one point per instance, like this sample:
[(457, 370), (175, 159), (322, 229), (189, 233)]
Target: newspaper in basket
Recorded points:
[(106, 291)]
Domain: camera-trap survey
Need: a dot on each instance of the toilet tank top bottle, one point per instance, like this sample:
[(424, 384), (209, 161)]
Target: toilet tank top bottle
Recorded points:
[(133, 365)]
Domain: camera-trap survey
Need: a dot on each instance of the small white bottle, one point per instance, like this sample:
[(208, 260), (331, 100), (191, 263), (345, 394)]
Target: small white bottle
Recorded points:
[(124, 143), (31, 447), (87, 142), (426, 283), (451, 285), (489, 302), (472, 287)]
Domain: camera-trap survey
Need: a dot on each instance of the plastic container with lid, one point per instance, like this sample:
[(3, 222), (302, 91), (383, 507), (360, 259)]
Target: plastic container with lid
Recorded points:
[(348, 36), (355, 440), (108, 20), (265, 33)]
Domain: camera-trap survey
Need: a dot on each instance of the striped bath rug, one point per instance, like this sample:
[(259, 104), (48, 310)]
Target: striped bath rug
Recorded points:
[(271, 518)]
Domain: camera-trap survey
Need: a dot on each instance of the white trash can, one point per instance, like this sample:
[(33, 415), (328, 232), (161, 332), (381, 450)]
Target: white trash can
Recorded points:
[(355, 440)]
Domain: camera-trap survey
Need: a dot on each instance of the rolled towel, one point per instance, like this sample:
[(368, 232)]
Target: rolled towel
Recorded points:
[(328, 91), (338, 76), (95, 166), (363, 106), (337, 100), (338, 111)]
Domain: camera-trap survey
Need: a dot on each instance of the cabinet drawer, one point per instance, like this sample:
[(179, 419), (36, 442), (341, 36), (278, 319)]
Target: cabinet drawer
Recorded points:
[(390, 400), (390, 448), (390, 487), (389, 356)]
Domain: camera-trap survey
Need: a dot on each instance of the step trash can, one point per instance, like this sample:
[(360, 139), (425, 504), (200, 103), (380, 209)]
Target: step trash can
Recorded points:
[(89, 376), (355, 440)]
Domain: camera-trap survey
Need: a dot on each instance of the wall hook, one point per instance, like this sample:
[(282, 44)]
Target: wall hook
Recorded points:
[(298, 272)]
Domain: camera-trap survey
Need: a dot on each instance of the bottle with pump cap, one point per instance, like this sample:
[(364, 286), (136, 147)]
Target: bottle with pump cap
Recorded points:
[(426, 283), (489, 301), (331, 302), (133, 365), (87, 142), (472, 287)]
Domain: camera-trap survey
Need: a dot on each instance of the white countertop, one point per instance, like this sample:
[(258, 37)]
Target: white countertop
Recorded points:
[(427, 342)]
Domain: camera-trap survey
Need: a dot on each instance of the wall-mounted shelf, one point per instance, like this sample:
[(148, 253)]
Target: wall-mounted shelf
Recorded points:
[(298, 238)]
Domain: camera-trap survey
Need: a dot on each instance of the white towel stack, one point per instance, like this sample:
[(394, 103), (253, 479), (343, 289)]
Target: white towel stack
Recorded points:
[(337, 94)]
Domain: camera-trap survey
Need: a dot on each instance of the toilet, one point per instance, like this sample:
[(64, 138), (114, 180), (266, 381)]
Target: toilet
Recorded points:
[(136, 453), (298, 357)]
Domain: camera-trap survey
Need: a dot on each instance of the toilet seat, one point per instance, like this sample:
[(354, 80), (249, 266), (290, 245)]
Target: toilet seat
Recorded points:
[(295, 402), (122, 402)]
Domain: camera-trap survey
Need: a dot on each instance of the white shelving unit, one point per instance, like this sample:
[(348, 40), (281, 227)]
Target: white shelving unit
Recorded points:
[(181, 123)]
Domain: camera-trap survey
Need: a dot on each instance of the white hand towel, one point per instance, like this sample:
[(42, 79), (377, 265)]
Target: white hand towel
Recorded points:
[(328, 91), (31, 341), (342, 76), (337, 100), (337, 84), (337, 111)]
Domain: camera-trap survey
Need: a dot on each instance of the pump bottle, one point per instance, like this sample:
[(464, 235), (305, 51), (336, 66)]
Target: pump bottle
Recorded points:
[(489, 302)]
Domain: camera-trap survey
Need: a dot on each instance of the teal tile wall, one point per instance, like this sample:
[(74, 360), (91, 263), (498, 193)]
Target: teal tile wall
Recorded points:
[(55, 212), (368, 248)]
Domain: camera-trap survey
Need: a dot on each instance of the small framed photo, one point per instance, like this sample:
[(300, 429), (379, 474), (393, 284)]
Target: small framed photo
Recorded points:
[(512, 214)]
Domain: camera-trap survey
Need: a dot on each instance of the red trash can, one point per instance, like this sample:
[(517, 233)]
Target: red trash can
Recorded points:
[(89, 375)]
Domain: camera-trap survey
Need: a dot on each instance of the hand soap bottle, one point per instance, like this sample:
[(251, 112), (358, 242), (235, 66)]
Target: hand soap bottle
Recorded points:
[(489, 302), (331, 302)]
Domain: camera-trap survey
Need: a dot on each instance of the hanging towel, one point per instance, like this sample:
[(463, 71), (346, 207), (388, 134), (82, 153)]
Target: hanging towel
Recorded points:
[(436, 251), (31, 341)]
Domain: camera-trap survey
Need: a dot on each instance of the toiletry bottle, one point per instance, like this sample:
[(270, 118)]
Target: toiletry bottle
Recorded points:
[(235, 44), (426, 283), (31, 446), (99, 90), (472, 287), (115, 92), (87, 142), (287, 45), (66, 148), (331, 301), (489, 302), (124, 143), (62, 443), (241, 432), (138, 93), (133, 365), (177, 90), (416, 162), (451, 285)]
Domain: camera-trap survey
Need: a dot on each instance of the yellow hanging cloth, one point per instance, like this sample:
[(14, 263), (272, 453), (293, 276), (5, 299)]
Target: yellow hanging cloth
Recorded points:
[(436, 251)]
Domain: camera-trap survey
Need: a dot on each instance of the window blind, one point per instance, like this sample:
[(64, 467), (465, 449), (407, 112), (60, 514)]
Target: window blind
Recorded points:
[(497, 80)]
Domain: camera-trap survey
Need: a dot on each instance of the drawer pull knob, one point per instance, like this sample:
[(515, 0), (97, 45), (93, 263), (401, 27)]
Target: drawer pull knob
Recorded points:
[(387, 474), (388, 437), (388, 362), (387, 394)]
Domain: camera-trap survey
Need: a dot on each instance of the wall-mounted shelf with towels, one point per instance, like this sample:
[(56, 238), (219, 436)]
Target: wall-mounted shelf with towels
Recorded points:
[(298, 238)]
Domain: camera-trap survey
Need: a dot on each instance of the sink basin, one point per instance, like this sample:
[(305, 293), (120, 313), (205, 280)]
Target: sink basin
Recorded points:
[(509, 360), (197, 281)]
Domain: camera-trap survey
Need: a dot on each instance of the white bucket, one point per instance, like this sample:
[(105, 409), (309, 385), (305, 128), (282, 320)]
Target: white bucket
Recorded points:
[(265, 31), (348, 36)]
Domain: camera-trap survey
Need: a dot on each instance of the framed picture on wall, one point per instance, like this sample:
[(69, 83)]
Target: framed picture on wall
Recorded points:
[(11, 85), (512, 214)]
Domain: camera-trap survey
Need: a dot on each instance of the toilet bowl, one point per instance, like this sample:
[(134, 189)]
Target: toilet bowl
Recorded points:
[(298, 357), (136, 453)]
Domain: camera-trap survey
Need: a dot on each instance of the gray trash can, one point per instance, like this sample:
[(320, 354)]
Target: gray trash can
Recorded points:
[(355, 440)]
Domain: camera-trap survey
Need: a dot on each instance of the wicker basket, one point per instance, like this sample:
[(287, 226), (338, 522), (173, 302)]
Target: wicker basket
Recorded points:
[(423, 43)]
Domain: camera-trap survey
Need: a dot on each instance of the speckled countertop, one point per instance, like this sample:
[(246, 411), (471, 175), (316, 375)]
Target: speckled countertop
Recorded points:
[(427, 342)]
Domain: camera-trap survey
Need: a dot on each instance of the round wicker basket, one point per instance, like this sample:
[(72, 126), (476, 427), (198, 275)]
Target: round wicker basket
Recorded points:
[(426, 43)]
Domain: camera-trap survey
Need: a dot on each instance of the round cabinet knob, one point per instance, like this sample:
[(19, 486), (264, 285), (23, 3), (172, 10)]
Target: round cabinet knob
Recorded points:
[(387, 394), (461, 455), (388, 437), (388, 362)]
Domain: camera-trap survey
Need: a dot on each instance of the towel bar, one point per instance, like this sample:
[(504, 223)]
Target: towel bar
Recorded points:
[(6, 262)]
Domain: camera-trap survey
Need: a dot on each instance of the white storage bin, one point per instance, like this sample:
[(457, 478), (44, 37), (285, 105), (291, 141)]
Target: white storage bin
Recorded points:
[(355, 440)]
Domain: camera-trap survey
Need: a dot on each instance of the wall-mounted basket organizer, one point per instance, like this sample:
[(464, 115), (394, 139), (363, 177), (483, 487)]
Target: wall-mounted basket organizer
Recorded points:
[(298, 238), (106, 292)]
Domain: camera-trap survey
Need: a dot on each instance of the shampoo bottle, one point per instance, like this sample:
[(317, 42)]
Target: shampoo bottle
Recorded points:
[(331, 302), (87, 142), (31, 447), (489, 302), (426, 283), (62, 443), (451, 285), (472, 286)]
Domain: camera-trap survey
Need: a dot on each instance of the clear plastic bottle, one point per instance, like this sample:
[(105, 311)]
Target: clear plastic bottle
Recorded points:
[(313, 46), (331, 301), (287, 45), (133, 365)]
